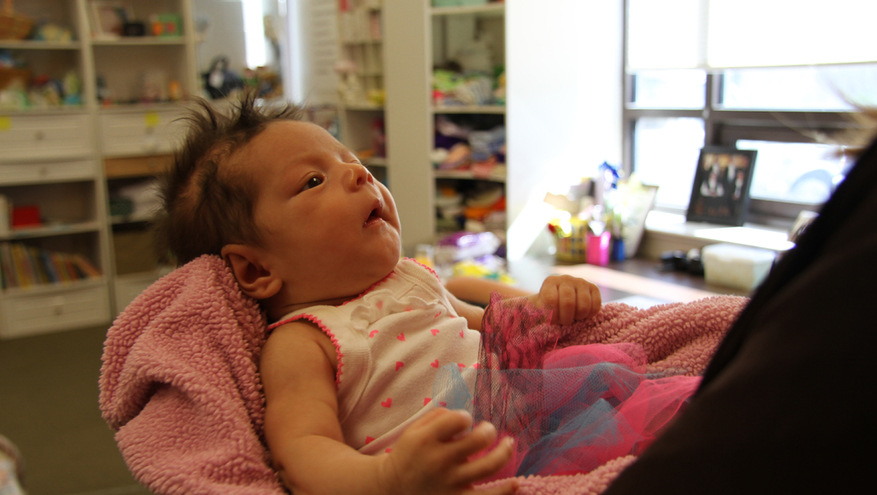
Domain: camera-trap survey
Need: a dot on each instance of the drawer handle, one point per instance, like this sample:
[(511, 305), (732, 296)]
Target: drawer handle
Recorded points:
[(40, 135), (44, 171)]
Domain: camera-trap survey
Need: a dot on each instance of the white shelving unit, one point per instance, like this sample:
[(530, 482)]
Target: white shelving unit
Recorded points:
[(137, 139), (452, 29), (562, 75), (66, 160), (361, 94), (420, 37)]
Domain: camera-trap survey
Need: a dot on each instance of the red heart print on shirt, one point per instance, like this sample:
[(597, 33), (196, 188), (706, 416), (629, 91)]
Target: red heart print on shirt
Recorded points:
[(401, 337), (399, 364), (372, 333), (434, 364), (434, 331), (388, 402)]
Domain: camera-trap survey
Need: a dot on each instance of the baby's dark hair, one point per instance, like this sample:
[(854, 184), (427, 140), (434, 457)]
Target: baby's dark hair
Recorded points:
[(207, 204)]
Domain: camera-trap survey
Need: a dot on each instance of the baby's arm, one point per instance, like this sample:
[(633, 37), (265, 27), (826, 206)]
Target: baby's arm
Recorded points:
[(307, 445), (569, 298), (466, 290)]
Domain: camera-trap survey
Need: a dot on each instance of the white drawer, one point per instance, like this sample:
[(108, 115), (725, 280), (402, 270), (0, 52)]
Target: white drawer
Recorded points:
[(53, 309), (141, 133), (30, 173), (39, 137)]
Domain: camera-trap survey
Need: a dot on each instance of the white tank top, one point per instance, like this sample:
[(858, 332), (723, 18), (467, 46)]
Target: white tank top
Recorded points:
[(391, 341)]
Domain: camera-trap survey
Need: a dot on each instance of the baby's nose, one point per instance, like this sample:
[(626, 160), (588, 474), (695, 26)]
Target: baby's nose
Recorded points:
[(360, 175)]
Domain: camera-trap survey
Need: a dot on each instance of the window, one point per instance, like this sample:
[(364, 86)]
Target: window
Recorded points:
[(792, 115)]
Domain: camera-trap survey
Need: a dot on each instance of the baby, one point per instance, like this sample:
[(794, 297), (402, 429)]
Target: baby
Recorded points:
[(357, 335)]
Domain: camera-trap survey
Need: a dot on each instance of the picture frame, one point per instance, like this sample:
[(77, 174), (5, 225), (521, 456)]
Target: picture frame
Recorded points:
[(720, 192), (108, 17)]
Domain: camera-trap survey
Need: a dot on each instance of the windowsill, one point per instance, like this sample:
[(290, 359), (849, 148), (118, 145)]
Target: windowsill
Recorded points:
[(669, 231)]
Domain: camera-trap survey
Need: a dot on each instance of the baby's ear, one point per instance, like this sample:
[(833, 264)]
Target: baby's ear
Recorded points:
[(255, 279)]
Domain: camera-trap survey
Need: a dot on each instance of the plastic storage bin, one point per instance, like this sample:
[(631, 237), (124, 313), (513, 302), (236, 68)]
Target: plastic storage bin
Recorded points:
[(736, 266)]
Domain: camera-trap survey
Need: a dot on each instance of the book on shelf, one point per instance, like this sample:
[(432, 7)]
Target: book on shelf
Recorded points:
[(23, 266)]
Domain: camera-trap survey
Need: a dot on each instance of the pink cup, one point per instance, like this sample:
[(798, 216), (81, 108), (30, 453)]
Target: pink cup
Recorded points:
[(598, 249)]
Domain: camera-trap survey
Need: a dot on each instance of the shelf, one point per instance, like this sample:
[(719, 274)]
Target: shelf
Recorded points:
[(469, 175), (51, 230), (367, 41), (51, 288), (38, 45), (364, 107), (141, 107), (139, 41), (489, 9), (132, 218), (44, 111), (493, 109)]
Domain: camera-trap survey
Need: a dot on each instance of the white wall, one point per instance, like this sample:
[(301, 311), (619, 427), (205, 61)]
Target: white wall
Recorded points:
[(224, 34), (314, 50), (564, 103)]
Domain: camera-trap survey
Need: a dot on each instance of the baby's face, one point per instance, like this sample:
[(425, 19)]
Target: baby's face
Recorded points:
[(328, 227)]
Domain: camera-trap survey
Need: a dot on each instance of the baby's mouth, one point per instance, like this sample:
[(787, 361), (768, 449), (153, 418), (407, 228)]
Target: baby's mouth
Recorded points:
[(375, 215)]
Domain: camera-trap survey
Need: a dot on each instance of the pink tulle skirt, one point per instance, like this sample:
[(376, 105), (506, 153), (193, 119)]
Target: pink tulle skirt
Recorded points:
[(569, 409)]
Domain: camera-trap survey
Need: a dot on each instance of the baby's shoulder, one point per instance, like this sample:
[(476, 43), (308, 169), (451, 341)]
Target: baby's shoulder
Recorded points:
[(295, 338)]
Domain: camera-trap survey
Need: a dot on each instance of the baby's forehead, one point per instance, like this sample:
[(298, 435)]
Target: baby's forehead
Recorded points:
[(284, 143)]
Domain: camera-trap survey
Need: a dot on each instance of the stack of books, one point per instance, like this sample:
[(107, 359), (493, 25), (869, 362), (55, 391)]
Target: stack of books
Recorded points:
[(26, 266)]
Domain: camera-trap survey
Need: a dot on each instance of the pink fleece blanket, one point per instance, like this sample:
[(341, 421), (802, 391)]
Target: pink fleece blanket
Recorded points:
[(180, 383)]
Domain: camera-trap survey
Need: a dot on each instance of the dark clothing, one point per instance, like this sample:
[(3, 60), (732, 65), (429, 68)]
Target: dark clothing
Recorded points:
[(783, 406)]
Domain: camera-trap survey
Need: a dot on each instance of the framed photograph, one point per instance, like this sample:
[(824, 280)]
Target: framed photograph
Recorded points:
[(108, 17), (720, 193)]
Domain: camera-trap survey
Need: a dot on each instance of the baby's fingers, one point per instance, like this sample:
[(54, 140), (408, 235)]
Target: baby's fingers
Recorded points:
[(473, 442), (588, 301), (482, 467)]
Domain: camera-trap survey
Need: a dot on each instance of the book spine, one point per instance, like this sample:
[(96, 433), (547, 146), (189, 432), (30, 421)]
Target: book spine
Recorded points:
[(6, 265), (36, 261), (49, 266), (86, 266), (22, 267)]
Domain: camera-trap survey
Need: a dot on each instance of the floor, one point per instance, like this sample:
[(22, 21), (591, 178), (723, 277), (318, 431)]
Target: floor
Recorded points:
[(49, 409)]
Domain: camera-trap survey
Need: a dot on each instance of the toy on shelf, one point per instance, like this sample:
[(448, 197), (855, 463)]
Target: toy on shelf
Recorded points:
[(219, 80), (13, 26), (471, 254), (349, 89)]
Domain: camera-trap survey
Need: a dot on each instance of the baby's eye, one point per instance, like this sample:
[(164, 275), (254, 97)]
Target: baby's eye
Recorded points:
[(311, 183)]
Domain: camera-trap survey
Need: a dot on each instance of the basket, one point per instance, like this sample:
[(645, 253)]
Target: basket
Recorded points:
[(9, 76), (13, 26)]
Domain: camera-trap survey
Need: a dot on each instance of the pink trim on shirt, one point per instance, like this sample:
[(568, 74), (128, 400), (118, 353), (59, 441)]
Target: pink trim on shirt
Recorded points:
[(319, 323), (427, 267)]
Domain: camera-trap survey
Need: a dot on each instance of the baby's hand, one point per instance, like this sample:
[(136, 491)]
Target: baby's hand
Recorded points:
[(432, 456), (569, 298)]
